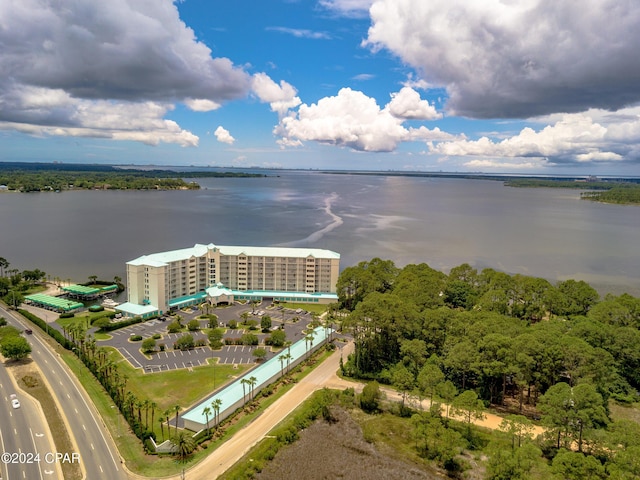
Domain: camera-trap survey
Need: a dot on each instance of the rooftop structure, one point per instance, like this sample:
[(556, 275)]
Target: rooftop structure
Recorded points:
[(52, 303)]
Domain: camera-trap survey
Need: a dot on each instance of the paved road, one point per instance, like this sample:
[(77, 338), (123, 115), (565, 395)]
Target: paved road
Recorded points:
[(97, 452), (25, 436)]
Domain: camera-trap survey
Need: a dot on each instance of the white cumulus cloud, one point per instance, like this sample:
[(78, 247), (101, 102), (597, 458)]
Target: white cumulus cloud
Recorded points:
[(407, 104), (353, 120), (281, 97), (587, 137), (223, 135)]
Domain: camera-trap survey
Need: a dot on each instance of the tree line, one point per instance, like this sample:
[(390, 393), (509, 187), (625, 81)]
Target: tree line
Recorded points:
[(58, 177), (555, 352)]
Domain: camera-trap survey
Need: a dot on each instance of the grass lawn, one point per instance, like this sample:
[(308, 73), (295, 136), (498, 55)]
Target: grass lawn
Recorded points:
[(182, 387), (86, 317), (624, 412), (309, 307)]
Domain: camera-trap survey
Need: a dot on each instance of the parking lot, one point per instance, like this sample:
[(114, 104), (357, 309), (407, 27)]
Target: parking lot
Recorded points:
[(171, 359)]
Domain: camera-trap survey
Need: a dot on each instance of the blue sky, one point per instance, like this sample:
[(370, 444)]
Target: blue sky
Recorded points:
[(532, 86)]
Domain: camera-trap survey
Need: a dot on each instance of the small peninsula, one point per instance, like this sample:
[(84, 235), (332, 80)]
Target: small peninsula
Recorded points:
[(58, 177), (617, 191)]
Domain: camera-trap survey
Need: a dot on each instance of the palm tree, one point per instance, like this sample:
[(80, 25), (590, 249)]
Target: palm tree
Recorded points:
[(252, 384), (177, 409), (93, 278), (117, 280), (288, 356), (185, 444), (206, 412), (146, 404), (216, 404), (167, 414), (161, 420), (3, 265), (244, 382), (308, 341), (152, 406), (282, 358)]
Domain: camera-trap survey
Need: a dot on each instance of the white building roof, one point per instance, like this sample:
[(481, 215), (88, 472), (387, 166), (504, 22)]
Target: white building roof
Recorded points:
[(300, 252), (163, 258), (135, 309)]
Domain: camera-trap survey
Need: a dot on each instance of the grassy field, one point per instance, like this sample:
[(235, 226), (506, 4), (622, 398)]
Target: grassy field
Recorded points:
[(182, 387)]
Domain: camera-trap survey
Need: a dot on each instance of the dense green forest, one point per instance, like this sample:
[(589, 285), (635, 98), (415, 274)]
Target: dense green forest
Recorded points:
[(39, 177), (557, 353), (618, 191), (622, 194)]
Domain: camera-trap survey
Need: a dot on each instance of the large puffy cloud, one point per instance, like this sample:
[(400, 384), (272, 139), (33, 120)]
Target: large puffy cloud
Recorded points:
[(41, 111), (281, 97), (506, 59), (408, 104), (354, 120), (116, 54), (589, 137)]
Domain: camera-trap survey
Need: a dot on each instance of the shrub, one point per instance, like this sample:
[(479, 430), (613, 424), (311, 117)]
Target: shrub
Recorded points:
[(278, 337), (149, 345), (250, 339), (370, 397), (201, 342), (213, 320), (260, 353), (174, 327), (193, 325), (156, 336), (161, 346), (101, 323), (67, 315), (233, 324), (185, 342), (135, 338)]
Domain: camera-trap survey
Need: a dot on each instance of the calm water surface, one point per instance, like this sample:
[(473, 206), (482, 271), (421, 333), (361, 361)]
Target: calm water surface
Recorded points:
[(549, 233)]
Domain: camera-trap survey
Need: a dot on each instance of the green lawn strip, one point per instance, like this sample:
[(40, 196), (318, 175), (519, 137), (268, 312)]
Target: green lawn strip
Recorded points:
[(87, 318), (309, 307), (35, 386)]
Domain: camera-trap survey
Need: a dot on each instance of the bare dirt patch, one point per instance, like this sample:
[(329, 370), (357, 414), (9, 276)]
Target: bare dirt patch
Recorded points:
[(338, 450)]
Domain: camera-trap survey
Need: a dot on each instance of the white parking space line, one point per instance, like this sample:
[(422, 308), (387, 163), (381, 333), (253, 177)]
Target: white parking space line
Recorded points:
[(129, 357)]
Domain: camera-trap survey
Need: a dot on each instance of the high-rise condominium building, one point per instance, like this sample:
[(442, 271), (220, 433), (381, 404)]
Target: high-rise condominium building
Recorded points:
[(168, 279)]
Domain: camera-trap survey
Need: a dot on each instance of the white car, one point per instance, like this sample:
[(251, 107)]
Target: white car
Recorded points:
[(15, 403)]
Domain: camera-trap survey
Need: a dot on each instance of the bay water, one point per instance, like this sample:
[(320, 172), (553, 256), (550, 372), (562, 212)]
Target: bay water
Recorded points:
[(444, 222)]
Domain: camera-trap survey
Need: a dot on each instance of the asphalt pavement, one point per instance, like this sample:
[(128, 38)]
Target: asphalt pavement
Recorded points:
[(97, 453)]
